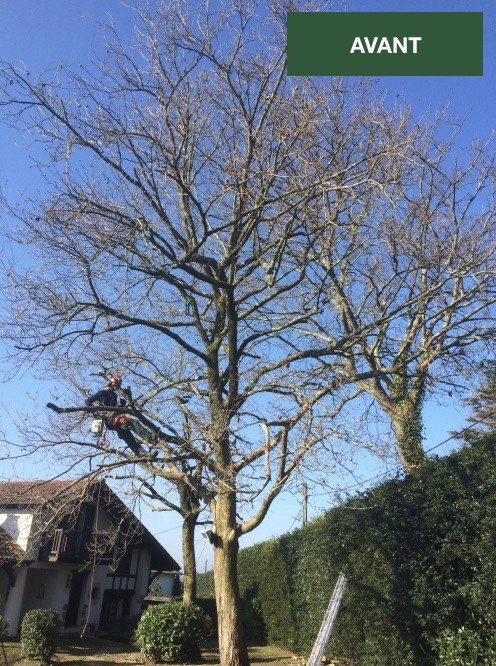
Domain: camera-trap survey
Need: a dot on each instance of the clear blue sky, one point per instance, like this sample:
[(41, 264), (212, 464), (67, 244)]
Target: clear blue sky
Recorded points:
[(44, 33)]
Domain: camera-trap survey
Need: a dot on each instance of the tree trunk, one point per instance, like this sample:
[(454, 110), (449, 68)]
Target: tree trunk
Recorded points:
[(407, 423), (189, 559), (232, 640), (405, 405), (190, 509)]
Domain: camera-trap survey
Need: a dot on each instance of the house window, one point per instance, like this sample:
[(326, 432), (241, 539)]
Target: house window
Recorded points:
[(123, 561)]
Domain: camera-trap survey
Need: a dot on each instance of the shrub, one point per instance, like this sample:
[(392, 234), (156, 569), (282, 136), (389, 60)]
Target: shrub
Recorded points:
[(171, 632), (39, 634)]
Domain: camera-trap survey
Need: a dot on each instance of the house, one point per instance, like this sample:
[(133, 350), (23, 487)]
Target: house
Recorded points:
[(74, 547)]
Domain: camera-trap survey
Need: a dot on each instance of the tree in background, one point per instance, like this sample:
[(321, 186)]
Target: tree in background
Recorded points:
[(413, 267), (205, 223)]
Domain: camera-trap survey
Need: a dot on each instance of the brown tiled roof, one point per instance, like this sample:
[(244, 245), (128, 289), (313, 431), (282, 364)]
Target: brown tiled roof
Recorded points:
[(35, 493), (10, 551)]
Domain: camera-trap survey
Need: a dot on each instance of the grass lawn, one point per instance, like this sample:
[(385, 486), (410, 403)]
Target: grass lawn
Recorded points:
[(100, 652)]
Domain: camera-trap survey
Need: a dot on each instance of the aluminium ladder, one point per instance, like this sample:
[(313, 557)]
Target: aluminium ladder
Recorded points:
[(326, 627)]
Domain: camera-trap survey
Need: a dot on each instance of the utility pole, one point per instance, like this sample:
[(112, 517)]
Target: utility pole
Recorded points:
[(305, 504)]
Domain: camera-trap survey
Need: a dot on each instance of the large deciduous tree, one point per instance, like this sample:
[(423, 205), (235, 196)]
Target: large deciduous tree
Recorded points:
[(213, 227), (413, 266)]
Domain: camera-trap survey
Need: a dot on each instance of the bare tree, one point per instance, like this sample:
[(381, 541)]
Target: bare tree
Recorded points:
[(417, 273), (203, 217)]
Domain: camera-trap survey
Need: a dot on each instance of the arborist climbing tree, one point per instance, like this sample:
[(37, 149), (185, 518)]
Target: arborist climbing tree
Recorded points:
[(114, 415), (115, 421)]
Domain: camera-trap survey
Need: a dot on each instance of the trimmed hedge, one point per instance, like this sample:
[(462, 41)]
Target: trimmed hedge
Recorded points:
[(171, 632), (419, 554), (40, 634)]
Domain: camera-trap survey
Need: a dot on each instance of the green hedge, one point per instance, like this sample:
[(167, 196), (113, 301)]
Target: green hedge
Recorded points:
[(420, 557)]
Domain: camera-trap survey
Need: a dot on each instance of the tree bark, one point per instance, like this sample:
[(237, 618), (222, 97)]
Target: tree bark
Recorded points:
[(232, 640), (189, 559), (189, 502), (232, 643)]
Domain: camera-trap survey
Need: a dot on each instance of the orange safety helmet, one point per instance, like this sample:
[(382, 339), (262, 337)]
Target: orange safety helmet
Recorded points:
[(116, 380)]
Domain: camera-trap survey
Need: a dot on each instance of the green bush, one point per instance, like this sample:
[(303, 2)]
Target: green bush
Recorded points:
[(171, 632), (39, 634)]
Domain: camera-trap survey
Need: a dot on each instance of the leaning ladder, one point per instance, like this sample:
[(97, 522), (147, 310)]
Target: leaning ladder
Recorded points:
[(326, 627)]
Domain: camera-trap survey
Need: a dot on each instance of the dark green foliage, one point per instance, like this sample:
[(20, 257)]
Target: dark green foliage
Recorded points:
[(205, 585), (171, 632), (40, 634), (465, 647), (254, 622), (209, 607), (420, 557)]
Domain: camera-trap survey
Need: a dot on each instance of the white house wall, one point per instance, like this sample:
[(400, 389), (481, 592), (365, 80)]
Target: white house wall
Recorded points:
[(91, 602), (167, 581), (17, 524), (54, 578), (41, 590), (99, 582), (142, 581), (27, 593), (13, 606)]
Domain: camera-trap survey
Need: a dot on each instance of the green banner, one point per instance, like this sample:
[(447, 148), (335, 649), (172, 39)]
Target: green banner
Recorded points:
[(385, 44)]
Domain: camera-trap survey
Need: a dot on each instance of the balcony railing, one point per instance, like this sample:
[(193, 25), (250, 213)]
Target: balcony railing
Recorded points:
[(76, 546), (58, 543)]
